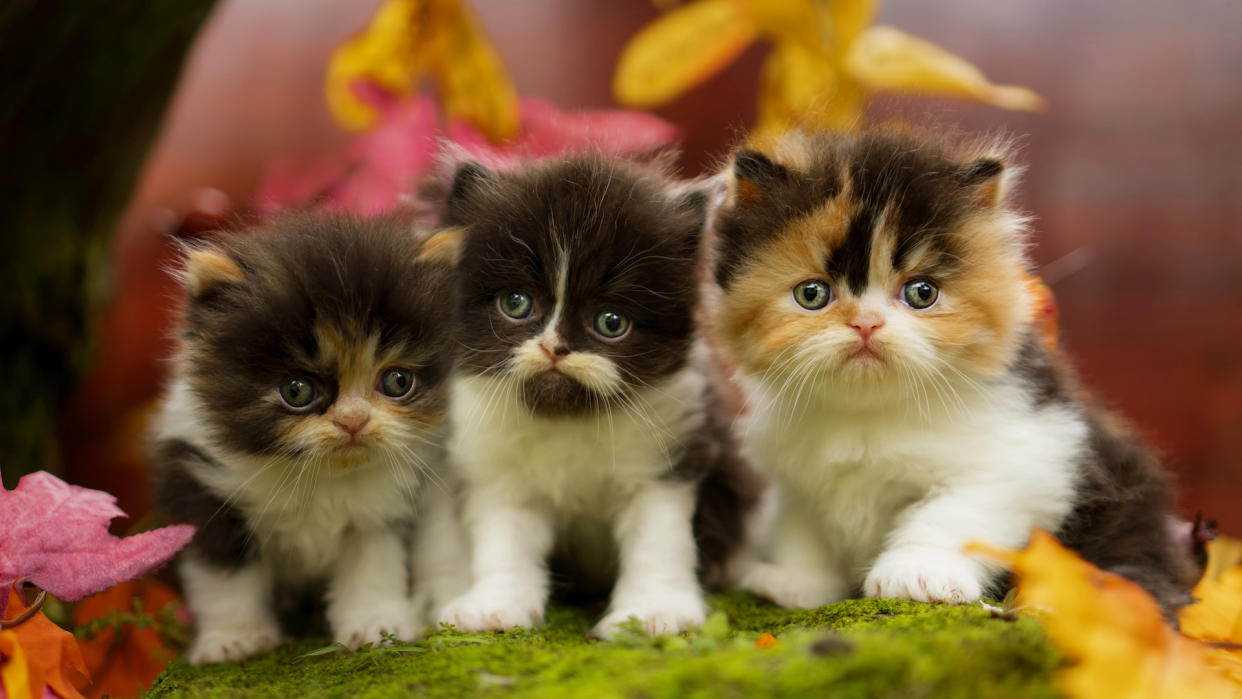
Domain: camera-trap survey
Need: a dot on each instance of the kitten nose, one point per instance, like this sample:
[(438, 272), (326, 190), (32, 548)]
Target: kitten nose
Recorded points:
[(555, 353), (866, 323), (351, 420)]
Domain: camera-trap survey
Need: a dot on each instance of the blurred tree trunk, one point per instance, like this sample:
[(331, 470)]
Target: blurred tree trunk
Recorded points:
[(84, 89)]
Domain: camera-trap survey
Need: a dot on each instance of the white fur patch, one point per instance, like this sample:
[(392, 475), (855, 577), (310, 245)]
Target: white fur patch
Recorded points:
[(884, 499), (531, 481)]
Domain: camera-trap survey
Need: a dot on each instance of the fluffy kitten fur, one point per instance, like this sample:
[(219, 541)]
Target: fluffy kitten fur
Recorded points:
[(898, 434), (282, 495), (605, 454)]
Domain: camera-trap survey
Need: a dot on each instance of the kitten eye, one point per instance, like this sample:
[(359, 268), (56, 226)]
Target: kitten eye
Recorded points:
[(611, 325), (297, 392), (515, 305), (919, 294), (812, 294), (396, 383)]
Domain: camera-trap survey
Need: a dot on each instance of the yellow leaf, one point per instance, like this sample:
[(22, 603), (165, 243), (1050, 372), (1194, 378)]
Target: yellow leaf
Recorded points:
[(473, 82), (800, 88), (1216, 614), (679, 50), (885, 58), (1110, 629), (383, 53)]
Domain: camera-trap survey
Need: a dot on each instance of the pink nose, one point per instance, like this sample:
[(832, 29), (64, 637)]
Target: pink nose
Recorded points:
[(555, 353), (352, 421), (867, 323)]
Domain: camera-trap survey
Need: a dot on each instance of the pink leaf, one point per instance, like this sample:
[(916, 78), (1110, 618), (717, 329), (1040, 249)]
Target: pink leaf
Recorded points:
[(56, 535), (375, 169)]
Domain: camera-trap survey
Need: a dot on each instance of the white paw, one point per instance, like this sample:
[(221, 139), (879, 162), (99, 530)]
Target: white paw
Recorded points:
[(232, 643), (492, 609), (356, 627), (925, 575), (663, 610), (794, 587)]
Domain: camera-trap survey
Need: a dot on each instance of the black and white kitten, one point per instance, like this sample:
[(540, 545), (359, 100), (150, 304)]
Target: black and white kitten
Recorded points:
[(876, 301), (302, 418), (583, 424)]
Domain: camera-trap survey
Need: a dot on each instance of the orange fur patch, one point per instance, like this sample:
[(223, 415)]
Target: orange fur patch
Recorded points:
[(208, 267), (443, 247)]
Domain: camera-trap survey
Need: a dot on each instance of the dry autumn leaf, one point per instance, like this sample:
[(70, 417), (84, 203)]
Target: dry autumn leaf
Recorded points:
[(1110, 629), (41, 653), (1216, 615), (766, 640)]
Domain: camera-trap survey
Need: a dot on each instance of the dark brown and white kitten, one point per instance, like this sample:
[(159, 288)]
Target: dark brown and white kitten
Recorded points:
[(302, 418), (875, 302), (583, 423)]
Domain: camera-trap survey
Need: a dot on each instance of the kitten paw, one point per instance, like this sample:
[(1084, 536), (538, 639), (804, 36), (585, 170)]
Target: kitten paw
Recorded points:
[(925, 575), (358, 627), (232, 643), (793, 587), (485, 609), (659, 611)]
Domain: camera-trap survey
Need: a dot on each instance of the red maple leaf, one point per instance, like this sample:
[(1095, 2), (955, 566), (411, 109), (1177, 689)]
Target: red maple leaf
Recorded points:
[(55, 535)]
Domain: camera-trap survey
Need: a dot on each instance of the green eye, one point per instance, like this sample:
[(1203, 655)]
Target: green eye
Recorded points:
[(396, 383), (297, 392), (812, 294), (919, 294), (611, 325), (515, 305)]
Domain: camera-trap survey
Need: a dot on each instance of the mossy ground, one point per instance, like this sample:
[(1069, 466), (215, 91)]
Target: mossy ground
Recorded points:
[(858, 648)]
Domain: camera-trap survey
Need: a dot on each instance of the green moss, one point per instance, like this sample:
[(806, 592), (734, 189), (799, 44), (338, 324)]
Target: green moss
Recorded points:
[(858, 648)]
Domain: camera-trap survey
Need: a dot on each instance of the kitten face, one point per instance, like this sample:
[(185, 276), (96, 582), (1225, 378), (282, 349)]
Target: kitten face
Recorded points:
[(324, 340), (875, 260), (577, 279)]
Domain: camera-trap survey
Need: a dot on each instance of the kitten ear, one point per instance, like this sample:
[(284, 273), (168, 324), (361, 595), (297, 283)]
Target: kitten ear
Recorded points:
[(444, 247), (206, 268), (467, 179), (985, 176), (754, 175)]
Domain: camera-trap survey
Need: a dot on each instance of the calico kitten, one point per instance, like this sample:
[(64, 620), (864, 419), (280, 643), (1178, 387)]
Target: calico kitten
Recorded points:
[(301, 421), (583, 424), (873, 299)]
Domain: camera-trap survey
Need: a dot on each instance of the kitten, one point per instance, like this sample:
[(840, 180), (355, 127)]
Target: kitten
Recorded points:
[(873, 300), (302, 418), (584, 428)]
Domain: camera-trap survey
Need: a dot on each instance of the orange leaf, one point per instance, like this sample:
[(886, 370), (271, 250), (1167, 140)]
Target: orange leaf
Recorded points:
[(125, 664), (52, 649), (1110, 629), (767, 640)]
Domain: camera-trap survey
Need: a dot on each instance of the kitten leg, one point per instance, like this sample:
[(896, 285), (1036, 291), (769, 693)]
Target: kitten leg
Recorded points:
[(924, 561), (232, 611), (801, 573), (657, 583), (441, 560), (368, 594), (509, 544)]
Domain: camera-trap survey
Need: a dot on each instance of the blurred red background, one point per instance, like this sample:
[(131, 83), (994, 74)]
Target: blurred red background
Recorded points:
[(1133, 177)]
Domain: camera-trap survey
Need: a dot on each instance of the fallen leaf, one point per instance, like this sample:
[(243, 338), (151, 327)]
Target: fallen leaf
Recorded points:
[(51, 654), (1216, 614), (125, 657), (18, 677), (767, 640), (56, 536), (1110, 629)]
